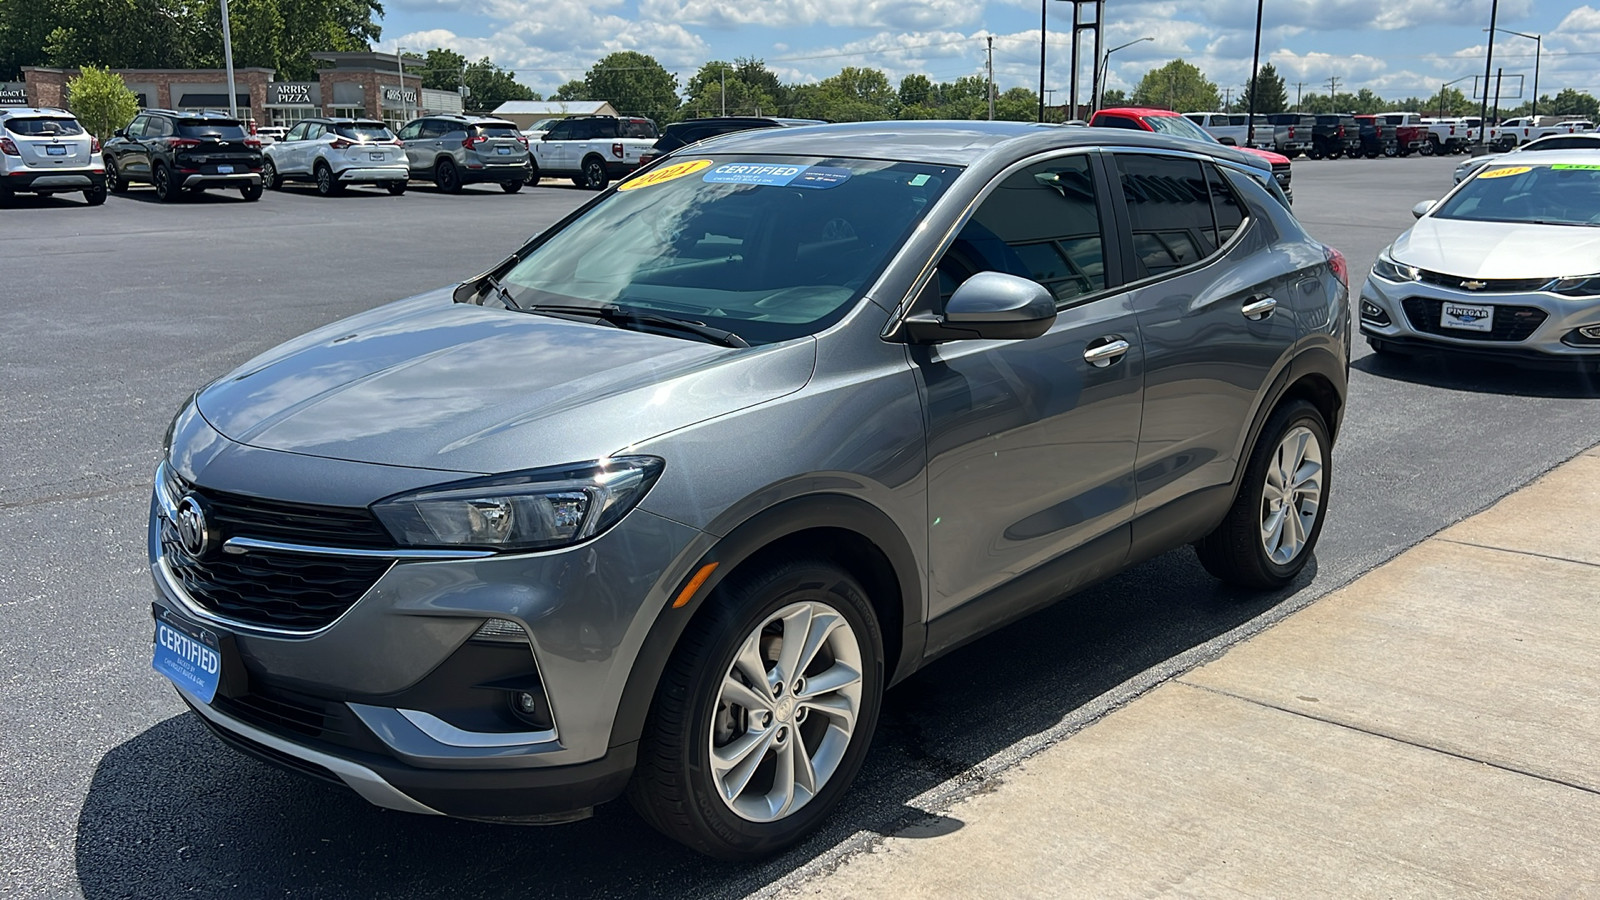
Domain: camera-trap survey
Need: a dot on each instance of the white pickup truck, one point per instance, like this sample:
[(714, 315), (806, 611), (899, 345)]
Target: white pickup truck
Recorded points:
[(1513, 132), (591, 150), (1455, 134), (1228, 128)]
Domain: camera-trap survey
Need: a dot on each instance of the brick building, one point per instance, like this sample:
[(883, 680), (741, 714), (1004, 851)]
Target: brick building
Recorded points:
[(347, 84)]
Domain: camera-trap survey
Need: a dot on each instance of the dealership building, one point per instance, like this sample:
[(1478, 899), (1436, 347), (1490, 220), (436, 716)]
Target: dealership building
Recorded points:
[(367, 85)]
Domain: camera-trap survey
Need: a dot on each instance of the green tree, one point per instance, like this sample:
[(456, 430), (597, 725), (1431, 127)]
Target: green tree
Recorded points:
[(102, 101), (489, 86), (572, 90), (1177, 86), (915, 91), (635, 84), (742, 88), (441, 69), (1271, 93), (24, 27), (1113, 97), (1018, 104), (1570, 102), (853, 95), (1448, 102), (119, 34)]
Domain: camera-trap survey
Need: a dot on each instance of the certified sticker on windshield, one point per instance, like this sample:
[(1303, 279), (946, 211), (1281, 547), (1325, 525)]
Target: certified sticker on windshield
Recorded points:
[(777, 174), (1509, 170), (665, 173)]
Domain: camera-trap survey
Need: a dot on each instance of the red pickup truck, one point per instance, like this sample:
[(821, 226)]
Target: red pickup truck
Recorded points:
[(1410, 132), (1165, 121)]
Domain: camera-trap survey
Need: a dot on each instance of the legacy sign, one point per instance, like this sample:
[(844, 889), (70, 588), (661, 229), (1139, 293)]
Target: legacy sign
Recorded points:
[(13, 93)]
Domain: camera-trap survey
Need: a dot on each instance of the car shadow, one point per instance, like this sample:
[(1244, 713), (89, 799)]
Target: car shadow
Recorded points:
[(42, 201), (173, 812), (143, 194), (1481, 376)]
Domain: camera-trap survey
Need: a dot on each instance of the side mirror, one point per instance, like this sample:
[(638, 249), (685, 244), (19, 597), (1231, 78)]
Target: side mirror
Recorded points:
[(120, 132), (545, 136), (989, 306), (1421, 209)]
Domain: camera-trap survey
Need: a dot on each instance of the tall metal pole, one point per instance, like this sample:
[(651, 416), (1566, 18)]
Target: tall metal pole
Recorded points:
[(1044, 40), (724, 91), (227, 59), (1488, 67), (400, 69), (1255, 69), (1099, 38), (1538, 48), (1072, 87), (990, 89)]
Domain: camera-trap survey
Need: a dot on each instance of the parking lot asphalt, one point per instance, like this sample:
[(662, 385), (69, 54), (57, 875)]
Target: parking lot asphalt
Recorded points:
[(111, 316)]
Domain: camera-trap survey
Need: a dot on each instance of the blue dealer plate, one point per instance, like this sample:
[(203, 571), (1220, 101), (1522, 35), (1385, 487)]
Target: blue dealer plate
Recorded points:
[(503, 151), (56, 151), (188, 655), (224, 170)]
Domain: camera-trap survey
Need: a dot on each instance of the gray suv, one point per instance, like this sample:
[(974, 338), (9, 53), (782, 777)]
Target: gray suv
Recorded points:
[(662, 503), (455, 151), (46, 151)]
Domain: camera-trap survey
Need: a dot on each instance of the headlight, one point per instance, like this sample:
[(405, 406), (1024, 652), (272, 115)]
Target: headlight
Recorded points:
[(1579, 286), (532, 510), (1389, 270)]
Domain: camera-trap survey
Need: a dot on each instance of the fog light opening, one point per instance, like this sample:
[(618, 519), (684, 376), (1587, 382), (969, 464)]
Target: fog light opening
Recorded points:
[(501, 630), (1371, 312)]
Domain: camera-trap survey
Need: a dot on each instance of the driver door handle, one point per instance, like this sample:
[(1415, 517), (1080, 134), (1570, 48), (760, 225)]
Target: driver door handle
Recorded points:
[(1102, 355), (1259, 308)]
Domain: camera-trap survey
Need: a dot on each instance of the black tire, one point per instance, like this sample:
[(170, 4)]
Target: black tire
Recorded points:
[(269, 175), (671, 787), (95, 196), (6, 196), (327, 185), (532, 178), (1234, 552), (1428, 148), (1390, 150), (250, 192), (166, 191), (1315, 153), (114, 182), (595, 176), (396, 187), (511, 187), (446, 176)]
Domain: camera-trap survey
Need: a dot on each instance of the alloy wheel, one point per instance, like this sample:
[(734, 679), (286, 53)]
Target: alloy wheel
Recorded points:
[(1291, 499), (786, 711)]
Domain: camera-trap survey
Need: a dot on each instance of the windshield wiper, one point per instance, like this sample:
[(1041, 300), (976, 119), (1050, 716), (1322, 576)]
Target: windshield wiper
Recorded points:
[(623, 318), (501, 291)]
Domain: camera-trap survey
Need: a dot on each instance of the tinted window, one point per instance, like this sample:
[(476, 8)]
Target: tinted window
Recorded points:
[(365, 132), (315, 131), (496, 130), (433, 128), (560, 131), (1226, 209), (769, 248), (1118, 122), (1197, 118), (638, 128), (157, 126), (1563, 143), (1041, 223), (43, 127), (1239, 120), (1170, 211), (410, 132), (222, 129)]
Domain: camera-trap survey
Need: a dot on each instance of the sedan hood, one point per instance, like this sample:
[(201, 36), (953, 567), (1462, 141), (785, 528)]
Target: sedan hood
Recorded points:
[(434, 384), (1499, 249)]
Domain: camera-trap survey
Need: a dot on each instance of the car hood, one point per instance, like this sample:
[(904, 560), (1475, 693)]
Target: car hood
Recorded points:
[(434, 384), (1268, 155), (1499, 249)]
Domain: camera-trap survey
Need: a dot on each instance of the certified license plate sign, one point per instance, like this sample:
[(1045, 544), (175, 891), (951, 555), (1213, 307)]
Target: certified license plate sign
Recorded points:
[(376, 157), (188, 655), (503, 151), (1467, 317), (224, 170), (56, 151)]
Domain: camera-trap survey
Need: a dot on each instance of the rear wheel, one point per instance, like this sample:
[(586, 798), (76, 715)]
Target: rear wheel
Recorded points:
[(1272, 528), (765, 712), (396, 187), (250, 192), (511, 187), (446, 176), (114, 182), (595, 176), (166, 191), (327, 185), (95, 196)]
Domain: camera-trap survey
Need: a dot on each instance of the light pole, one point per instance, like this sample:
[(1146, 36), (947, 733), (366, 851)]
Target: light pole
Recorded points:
[(1044, 40), (1441, 92), (227, 58), (1105, 67), (1488, 67), (1255, 72), (400, 70), (1538, 48)]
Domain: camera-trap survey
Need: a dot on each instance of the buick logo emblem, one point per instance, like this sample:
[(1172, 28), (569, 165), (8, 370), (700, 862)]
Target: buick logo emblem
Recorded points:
[(1474, 285), (193, 531)]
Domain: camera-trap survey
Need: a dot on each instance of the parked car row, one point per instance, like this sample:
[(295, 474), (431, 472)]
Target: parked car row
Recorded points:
[(1332, 135)]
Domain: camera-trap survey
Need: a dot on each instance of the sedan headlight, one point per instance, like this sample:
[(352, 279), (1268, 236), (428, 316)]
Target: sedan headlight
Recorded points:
[(1578, 286), (533, 510), (1389, 270)]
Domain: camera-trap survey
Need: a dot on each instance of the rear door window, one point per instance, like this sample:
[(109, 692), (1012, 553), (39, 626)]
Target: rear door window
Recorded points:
[(1170, 211), (1041, 223), (157, 127), (44, 126)]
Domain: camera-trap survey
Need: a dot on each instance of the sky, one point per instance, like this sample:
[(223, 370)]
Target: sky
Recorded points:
[(1398, 48)]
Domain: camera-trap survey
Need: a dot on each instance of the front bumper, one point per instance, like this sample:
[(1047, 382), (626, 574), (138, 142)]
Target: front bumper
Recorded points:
[(47, 180), (1410, 326), (396, 691), (375, 175)]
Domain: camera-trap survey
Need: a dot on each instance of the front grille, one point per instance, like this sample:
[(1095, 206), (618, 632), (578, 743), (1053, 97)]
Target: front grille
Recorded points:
[(1511, 323), (1281, 172), (237, 515), (1490, 285)]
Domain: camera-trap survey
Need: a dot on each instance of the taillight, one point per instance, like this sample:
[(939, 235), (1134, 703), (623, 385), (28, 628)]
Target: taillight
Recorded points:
[(1452, 131), (616, 149), (646, 159), (523, 140), (252, 142), (341, 144), (181, 143), (252, 126), (8, 147), (1291, 131), (1341, 131), (471, 142), (94, 144), (1341, 270)]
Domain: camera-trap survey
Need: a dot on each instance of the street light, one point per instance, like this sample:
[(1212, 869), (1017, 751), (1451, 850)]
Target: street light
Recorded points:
[(227, 58), (1538, 47), (1105, 67), (1441, 92), (1488, 69), (400, 69)]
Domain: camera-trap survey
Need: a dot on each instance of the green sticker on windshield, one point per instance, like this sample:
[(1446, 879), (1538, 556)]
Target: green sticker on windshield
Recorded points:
[(919, 181), (1572, 166)]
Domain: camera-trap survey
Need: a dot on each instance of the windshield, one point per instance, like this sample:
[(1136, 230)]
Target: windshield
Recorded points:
[(365, 132), (224, 129), (769, 248), (1553, 194), (43, 127), (1178, 126)]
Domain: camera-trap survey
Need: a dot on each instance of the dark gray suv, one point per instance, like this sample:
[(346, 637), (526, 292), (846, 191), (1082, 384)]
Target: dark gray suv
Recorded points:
[(663, 503)]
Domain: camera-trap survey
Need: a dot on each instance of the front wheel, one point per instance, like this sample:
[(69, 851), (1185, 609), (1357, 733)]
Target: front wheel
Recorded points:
[(270, 176), (1272, 528), (765, 712)]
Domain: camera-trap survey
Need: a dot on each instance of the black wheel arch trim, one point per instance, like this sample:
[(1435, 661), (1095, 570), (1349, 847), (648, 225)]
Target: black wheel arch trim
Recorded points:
[(756, 533)]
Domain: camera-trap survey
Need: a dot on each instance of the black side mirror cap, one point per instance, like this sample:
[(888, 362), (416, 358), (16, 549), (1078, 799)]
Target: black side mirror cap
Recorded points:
[(120, 132), (988, 306)]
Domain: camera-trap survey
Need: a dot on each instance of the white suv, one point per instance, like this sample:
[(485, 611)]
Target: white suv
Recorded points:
[(46, 151), (333, 153)]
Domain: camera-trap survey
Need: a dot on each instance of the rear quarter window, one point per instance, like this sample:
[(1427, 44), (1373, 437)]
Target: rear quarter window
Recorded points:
[(638, 129)]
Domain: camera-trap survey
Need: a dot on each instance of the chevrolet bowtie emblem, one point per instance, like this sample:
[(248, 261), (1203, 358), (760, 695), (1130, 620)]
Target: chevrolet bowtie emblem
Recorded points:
[(1474, 285)]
